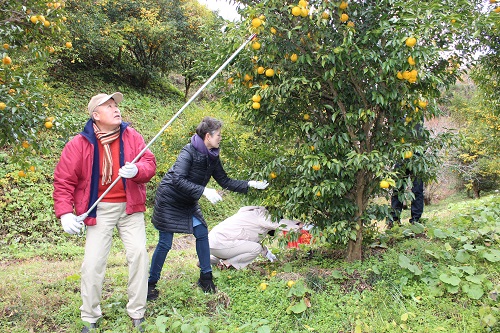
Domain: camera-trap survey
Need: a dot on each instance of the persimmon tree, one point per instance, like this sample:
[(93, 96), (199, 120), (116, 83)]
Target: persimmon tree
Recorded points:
[(32, 34), (335, 90)]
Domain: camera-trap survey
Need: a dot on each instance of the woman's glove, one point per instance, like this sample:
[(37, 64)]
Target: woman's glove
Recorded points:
[(129, 170), (270, 256), (258, 184), (212, 195), (71, 224)]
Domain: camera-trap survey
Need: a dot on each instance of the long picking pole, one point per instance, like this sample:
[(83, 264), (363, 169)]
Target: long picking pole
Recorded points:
[(83, 216)]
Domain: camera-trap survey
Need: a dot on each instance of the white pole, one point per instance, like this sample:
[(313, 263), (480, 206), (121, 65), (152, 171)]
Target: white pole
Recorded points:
[(83, 216)]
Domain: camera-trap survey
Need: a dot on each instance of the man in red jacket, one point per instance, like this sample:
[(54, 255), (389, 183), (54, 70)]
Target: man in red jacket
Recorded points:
[(89, 163)]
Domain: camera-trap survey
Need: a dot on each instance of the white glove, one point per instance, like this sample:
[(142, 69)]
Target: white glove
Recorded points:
[(258, 184), (71, 224), (270, 256), (129, 170), (290, 224), (212, 195)]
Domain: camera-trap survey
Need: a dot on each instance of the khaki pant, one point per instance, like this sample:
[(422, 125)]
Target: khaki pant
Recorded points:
[(240, 256), (132, 232)]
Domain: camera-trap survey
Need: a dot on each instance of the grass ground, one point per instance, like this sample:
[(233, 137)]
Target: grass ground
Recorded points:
[(40, 294)]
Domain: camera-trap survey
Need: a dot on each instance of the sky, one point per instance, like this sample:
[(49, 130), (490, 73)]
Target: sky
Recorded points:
[(226, 10)]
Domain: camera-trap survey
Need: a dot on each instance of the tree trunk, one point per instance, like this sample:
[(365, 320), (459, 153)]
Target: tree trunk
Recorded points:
[(187, 86), (119, 57), (354, 249), (476, 189)]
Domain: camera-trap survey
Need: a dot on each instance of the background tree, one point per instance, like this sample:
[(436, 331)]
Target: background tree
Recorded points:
[(337, 89), (199, 34), (145, 40), (98, 44), (479, 147)]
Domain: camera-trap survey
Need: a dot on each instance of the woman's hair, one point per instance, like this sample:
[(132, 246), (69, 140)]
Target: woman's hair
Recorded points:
[(208, 125)]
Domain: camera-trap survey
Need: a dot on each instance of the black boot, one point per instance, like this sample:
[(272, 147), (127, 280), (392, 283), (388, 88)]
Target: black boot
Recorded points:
[(153, 293), (89, 327), (205, 282)]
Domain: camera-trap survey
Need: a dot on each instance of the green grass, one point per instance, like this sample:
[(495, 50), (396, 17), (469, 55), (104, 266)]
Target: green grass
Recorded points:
[(40, 290)]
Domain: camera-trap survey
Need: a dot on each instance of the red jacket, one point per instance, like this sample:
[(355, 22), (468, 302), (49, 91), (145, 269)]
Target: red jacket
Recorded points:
[(76, 177)]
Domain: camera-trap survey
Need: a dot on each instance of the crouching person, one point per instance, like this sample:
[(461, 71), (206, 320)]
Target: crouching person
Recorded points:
[(236, 241)]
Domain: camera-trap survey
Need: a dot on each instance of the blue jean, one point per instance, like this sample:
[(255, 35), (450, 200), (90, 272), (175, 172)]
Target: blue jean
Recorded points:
[(164, 245)]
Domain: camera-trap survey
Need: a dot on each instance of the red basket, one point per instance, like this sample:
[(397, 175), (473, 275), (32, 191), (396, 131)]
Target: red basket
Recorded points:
[(304, 238)]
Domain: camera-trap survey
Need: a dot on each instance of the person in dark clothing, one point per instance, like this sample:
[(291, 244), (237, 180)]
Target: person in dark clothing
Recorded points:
[(417, 203), (176, 207)]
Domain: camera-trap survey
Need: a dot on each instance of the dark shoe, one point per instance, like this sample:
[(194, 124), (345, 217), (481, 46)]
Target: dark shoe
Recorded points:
[(89, 327), (205, 282), (153, 293), (138, 324), (390, 223)]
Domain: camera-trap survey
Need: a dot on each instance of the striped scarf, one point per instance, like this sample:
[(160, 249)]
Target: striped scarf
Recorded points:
[(106, 139)]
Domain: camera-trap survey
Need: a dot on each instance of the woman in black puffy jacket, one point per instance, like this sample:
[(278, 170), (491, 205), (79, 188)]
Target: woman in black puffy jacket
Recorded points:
[(176, 206)]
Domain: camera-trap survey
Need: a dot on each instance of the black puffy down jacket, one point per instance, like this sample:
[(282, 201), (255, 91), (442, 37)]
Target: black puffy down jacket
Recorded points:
[(182, 186)]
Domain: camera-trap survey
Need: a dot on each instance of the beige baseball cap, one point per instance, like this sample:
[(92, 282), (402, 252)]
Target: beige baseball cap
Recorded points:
[(102, 98)]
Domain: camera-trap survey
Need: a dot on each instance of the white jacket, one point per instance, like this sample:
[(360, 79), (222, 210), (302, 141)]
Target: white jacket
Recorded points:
[(250, 223)]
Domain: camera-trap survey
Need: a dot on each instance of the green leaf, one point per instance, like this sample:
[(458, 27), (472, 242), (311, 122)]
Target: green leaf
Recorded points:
[(477, 279), (452, 289), (492, 256), (264, 329), (297, 289), (468, 269), (450, 279), (415, 269), (297, 308), (438, 233), (417, 228), (474, 291), (469, 247), (431, 253), (161, 323), (203, 329), (408, 233), (404, 262), (462, 256), (436, 290)]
